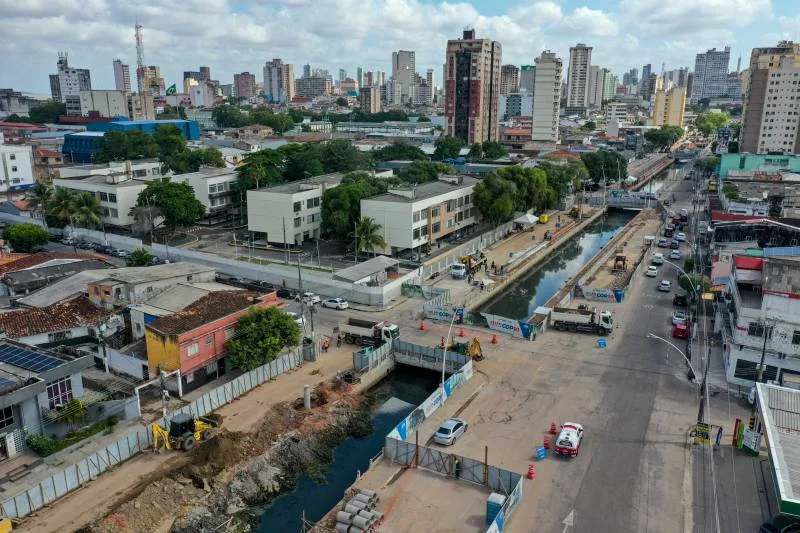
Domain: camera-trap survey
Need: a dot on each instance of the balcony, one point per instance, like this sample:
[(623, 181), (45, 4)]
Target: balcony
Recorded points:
[(747, 299)]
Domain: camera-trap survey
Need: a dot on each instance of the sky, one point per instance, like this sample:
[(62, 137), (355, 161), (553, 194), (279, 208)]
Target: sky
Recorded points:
[(233, 36)]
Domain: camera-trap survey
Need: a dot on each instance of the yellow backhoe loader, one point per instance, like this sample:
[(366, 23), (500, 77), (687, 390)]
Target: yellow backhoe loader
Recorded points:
[(184, 432), (471, 348)]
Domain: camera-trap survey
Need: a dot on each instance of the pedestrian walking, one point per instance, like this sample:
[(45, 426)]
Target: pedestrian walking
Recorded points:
[(457, 468), (325, 345), (339, 340)]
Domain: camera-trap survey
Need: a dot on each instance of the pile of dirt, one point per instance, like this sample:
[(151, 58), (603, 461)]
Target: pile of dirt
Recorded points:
[(227, 448)]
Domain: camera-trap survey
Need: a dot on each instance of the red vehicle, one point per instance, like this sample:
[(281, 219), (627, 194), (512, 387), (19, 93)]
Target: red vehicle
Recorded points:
[(680, 331)]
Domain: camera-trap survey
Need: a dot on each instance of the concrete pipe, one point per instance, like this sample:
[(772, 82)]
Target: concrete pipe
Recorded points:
[(377, 515), (342, 527), (357, 504), (354, 529), (366, 514), (347, 518), (360, 521), (352, 509), (368, 493), (363, 499)]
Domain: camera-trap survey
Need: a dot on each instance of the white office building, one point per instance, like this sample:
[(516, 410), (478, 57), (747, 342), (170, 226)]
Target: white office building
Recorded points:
[(711, 74), (16, 167), (617, 111), (117, 194), (546, 97), (421, 215), (289, 212)]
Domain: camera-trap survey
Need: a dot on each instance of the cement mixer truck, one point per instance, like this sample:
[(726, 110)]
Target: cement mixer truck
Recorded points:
[(584, 320)]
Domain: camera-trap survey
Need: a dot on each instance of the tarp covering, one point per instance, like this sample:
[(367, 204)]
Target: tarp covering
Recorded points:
[(366, 269), (527, 219)]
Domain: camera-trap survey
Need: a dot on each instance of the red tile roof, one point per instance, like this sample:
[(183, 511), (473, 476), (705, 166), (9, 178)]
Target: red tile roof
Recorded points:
[(209, 308), (42, 257), (66, 315), (722, 216), (42, 152), (517, 131), (748, 263)]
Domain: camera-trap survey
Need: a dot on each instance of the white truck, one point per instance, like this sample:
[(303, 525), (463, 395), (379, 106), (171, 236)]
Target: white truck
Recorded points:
[(594, 321), (368, 332)]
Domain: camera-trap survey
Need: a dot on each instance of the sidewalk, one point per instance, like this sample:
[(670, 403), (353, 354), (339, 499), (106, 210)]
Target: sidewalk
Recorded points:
[(243, 414)]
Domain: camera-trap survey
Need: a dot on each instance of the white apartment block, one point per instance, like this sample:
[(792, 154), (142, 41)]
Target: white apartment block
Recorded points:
[(16, 167), (617, 111), (122, 76), (117, 194), (107, 104), (546, 97), (404, 68), (711, 74), (580, 59), (144, 169), (279, 82), (214, 188), (424, 214), (289, 212)]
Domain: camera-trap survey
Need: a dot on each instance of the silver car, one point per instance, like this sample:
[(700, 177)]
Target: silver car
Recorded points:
[(450, 431)]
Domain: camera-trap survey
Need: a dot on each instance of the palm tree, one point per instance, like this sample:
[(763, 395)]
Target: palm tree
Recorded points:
[(367, 236), (39, 197), (88, 211), (62, 205)]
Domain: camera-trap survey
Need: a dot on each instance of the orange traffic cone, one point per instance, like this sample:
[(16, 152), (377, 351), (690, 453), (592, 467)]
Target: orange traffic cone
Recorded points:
[(461, 333), (531, 471), (422, 325), (553, 429), (494, 339)]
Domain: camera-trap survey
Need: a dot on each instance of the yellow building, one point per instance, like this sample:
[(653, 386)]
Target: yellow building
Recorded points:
[(669, 107)]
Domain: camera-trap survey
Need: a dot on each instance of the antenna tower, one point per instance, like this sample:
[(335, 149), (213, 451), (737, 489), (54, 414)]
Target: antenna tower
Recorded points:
[(139, 57)]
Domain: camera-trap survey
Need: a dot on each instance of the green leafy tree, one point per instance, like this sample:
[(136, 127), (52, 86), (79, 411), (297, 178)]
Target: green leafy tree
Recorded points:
[(39, 197), (301, 161), (139, 257), (172, 113), (13, 117), (493, 150), (688, 264), (88, 211), (564, 178), (61, 207), (475, 152), (423, 119), (260, 169), (121, 146), (708, 164), (47, 113), (399, 151), (176, 201), (341, 101), (494, 197), (340, 156), (228, 116), (602, 163), (423, 171), (368, 236), (664, 136), (279, 123), (708, 123), (341, 206), (74, 412), (694, 282), (730, 190), (260, 336), (589, 125), (25, 237), (447, 148)]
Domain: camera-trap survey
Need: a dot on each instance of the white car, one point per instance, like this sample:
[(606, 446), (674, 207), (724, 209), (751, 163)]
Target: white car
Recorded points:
[(664, 285), (678, 317), (675, 254), (450, 430), (335, 303), (569, 439), (652, 272), (680, 237), (298, 319), (308, 298)]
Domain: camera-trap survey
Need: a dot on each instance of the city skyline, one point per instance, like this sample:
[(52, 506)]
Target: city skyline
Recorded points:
[(97, 32)]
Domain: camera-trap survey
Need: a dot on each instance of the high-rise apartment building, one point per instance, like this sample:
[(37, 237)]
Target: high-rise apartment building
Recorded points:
[(509, 79), (648, 87), (631, 77), (646, 71), (342, 75), (711, 74), (306, 71), (244, 85), (430, 79), (360, 76), (140, 107), (770, 118), (580, 58), (369, 99), (279, 82), (526, 78), (546, 97), (669, 106), (313, 86), (597, 85), (734, 86), (122, 76), (153, 82), (69, 81), (472, 88), (404, 68)]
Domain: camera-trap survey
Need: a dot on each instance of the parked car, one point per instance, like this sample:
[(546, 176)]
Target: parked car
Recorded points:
[(450, 430), (308, 298), (664, 285), (335, 303), (675, 254), (680, 300), (781, 524), (288, 294), (663, 243), (298, 319), (119, 252), (69, 241), (680, 331), (652, 272), (678, 317), (569, 439), (669, 233), (85, 245), (680, 237)]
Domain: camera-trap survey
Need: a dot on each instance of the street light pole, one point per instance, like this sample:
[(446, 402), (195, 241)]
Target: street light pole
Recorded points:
[(688, 361), (447, 343)]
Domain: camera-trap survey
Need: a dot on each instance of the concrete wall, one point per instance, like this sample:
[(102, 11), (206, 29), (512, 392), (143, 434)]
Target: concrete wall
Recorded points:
[(125, 364)]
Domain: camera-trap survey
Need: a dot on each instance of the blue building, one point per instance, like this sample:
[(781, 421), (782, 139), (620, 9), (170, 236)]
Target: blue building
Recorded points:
[(189, 128), (80, 147)]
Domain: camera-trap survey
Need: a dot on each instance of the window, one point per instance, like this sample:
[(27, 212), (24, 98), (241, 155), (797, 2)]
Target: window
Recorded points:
[(209, 340), (756, 329), (416, 216), (796, 337), (113, 213), (460, 201), (12, 157), (103, 197), (192, 349), (112, 197), (437, 227), (140, 173), (316, 217), (435, 211), (467, 199), (416, 234), (59, 336), (13, 169), (6, 417), (229, 334), (424, 230), (298, 221), (298, 206), (312, 202), (59, 392)]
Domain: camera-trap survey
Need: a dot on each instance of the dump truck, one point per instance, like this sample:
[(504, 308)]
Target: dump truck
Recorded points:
[(367, 332), (584, 320)]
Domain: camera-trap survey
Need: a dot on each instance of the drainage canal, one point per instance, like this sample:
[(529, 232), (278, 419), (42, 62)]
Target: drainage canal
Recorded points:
[(521, 298), (392, 399)]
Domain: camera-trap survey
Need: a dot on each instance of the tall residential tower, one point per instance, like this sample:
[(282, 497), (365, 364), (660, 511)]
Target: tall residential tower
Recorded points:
[(711, 74), (580, 58), (546, 97)]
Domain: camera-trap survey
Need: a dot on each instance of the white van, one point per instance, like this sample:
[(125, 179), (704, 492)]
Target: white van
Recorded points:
[(458, 271), (657, 259)]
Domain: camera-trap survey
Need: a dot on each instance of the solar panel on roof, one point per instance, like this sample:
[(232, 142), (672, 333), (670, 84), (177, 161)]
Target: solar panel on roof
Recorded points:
[(6, 383), (27, 359)]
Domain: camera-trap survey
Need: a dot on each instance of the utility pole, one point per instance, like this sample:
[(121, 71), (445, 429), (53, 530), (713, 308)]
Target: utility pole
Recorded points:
[(285, 244), (302, 302)]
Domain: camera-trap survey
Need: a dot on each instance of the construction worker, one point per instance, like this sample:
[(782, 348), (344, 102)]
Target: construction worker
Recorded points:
[(325, 345), (457, 468), (339, 340)]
